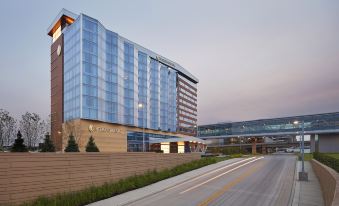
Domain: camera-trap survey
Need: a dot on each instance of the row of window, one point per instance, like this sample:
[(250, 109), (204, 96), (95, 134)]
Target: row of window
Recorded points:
[(187, 109), (187, 113), (181, 78), (187, 87), (187, 120), (190, 98), (186, 103), (189, 94)]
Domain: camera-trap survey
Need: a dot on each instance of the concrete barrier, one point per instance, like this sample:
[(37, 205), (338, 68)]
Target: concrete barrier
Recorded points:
[(329, 181), (26, 176)]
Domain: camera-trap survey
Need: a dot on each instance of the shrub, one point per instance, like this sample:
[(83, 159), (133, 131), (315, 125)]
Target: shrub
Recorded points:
[(72, 146), (48, 145), (19, 145), (236, 155), (327, 159), (227, 150), (91, 146)]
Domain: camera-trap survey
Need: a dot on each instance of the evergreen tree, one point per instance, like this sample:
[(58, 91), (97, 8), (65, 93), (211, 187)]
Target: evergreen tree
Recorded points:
[(48, 145), (72, 146), (91, 146), (19, 145)]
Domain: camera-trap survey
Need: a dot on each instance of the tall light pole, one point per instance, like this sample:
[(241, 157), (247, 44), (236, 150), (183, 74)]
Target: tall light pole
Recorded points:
[(141, 106), (303, 176), (196, 128)]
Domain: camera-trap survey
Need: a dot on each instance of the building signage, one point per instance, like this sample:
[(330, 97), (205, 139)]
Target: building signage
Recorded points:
[(92, 129), (168, 63), (59, 50)]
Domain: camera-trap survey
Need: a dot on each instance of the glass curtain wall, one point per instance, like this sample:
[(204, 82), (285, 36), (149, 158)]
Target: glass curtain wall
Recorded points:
[(164, 73), (154, 92), (90, 68), (72, 71), (111, 77), (172, 100), (142, 89), (128, 83), (107, 76)]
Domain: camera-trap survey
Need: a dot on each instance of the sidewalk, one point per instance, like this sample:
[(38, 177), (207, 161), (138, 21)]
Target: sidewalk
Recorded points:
[(137, 194), (307, 193)]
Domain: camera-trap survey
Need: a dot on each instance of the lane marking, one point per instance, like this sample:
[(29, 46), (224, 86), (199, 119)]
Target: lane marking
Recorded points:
[(236, 181), (208, 173), (228, 171)]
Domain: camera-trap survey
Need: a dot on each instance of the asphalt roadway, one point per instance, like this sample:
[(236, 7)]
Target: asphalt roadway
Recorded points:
[(258, 181)]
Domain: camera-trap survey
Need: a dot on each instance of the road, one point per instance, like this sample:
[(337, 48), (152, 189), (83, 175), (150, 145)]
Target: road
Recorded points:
[(258, 181)]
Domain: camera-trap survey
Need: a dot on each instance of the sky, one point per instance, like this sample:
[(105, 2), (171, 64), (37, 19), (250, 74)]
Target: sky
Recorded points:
[(254, 59)]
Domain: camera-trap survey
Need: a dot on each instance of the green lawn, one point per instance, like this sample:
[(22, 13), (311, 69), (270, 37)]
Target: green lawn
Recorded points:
[(307, 156), (335, 155)]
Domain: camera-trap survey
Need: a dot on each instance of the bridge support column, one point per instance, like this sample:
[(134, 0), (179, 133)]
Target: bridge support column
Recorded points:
[(327, 143), (254, 146), (312, 141), (263, 149)]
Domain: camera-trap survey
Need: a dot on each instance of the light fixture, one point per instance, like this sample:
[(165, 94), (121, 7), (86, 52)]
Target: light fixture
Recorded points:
[(296, 122)]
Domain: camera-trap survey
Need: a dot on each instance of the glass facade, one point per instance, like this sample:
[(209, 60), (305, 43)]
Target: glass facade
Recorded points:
[(317, 123), (111, 79), (72, 71), (135, 140)]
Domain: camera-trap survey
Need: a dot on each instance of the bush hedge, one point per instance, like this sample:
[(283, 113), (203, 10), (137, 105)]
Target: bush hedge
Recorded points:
[(107, 190), (327, 159)]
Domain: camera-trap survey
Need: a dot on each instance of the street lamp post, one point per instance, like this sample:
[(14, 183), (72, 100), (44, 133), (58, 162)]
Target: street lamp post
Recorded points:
[(303, 176), (196, 130), (140, 105), (239, 138)]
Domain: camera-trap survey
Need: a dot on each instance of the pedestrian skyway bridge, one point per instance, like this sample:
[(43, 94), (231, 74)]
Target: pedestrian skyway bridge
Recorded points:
[(322, 128)]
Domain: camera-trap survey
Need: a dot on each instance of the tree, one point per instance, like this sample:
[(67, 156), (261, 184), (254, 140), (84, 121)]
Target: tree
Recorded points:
[(48, 145), (7, 128), (72, 146), (72, 127), (19, 145), (32, 128), (91, 146)]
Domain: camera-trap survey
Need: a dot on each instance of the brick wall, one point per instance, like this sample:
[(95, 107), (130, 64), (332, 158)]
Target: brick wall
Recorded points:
[(30, 175)]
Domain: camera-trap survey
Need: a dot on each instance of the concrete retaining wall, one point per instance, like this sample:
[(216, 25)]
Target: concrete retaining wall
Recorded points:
[(27, 176), (329, 181)]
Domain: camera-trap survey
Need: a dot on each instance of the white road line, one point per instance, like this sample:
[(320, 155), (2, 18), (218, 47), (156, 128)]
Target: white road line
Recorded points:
[(208, 173), (198, 185)]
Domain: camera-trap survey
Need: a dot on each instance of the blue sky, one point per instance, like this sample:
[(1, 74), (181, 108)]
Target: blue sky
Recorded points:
[(254, 59)]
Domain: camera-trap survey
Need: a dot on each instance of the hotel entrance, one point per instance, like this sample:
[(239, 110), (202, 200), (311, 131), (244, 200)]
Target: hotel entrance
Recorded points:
[(178, 145)]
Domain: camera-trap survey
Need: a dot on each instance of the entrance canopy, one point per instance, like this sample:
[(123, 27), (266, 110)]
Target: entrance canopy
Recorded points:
[(179, 139)]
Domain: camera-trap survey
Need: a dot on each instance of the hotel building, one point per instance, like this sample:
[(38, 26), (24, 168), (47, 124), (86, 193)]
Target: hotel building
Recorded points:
[(124, 95)]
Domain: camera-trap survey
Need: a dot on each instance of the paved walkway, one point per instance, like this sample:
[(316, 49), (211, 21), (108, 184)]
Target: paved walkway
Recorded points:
[(137, 194), (307, 193)]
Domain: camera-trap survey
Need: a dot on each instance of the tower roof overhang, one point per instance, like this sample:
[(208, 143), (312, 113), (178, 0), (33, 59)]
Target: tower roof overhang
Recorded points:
[(64, 16)]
